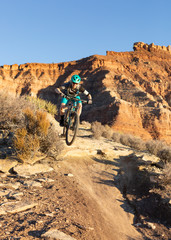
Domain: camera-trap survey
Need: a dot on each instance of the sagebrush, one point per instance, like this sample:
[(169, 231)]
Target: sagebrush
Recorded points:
[(38, 135), (32, 131), (101, 130), (155, 147), (44, 105), (11, 114)]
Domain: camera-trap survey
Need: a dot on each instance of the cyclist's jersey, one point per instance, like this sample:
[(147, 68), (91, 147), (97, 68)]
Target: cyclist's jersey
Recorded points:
[(67, 90)]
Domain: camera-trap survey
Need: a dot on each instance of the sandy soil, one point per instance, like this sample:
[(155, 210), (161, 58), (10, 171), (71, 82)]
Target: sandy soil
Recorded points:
[(81, 199)]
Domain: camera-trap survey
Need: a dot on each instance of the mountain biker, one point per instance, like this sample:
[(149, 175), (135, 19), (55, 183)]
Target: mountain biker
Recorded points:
[(72, 89)]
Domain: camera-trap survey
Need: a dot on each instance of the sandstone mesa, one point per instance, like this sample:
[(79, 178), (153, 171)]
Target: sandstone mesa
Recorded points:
[(131, 90)]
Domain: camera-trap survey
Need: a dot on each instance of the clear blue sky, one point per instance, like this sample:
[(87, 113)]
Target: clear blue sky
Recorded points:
[(47, 31)]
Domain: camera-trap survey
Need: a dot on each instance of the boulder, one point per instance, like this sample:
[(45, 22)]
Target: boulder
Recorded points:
[(7, 164), (56, 234), (15, 185), (31, 183), (26, 170), (15, 207)]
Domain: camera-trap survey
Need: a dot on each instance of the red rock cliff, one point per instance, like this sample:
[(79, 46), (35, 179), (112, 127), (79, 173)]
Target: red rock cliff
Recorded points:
[(131, 90)]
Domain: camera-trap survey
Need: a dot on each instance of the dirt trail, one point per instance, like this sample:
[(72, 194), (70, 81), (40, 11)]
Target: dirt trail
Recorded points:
[(79, 197), (94, 165)]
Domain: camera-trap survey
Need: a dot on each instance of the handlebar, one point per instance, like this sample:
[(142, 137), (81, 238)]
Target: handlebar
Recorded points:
[(75, 99)]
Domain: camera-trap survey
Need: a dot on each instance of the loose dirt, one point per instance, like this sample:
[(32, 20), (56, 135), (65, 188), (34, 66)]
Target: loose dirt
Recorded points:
[(79, 197)]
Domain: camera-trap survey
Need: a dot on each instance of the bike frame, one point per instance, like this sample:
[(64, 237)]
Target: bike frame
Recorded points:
[(70, 109)]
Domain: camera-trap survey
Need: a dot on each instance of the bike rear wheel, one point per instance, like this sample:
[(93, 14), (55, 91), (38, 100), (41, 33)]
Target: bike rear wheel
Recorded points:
[(72, 128)]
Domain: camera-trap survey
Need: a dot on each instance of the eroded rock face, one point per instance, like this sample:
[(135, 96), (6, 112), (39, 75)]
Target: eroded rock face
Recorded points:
[(131, 90), (151, 47)]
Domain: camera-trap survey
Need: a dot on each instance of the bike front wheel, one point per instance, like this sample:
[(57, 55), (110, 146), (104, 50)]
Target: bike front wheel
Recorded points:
[(72, 128)]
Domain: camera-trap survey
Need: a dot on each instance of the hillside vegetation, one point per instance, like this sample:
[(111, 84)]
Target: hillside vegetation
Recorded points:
[(103, 169), (25, 128)]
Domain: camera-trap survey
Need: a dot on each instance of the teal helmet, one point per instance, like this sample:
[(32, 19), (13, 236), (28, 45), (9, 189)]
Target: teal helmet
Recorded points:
[(76, 79)]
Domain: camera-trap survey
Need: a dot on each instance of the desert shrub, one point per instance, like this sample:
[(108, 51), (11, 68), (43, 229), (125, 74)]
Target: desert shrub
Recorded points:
[(44, 105), (167, 173), (154, 146), (97, 129), (26, 145), (116, 136), (124, 139), (136, 143), (30, 129), (50, 143), (129, 140), (36, 123), (30, 121), (160, 149), (36, 136), (100, 130), (107, 132), (42, 123), (11, 114), (165, 179), (165, 154)]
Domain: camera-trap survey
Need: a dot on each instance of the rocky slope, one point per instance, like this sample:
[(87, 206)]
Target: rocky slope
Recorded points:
[(131, 90), (89, 192)]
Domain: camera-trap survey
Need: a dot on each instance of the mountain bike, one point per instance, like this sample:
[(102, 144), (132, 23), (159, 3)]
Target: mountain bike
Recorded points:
[(71, 119)]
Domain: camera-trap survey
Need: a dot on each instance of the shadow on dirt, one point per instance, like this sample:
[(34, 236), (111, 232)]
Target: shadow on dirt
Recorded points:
[(36, 233), (6, 146), (133, 179)]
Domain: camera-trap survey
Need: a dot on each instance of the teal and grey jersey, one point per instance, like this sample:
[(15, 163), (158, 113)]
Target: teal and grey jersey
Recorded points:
[(67, 90)]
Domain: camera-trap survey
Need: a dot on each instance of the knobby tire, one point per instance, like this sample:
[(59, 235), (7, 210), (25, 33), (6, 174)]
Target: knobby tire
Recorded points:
[(71, 130)]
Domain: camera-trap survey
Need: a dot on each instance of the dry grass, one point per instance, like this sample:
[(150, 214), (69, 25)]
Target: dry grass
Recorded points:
[(155, 147), (43, 105), (165, 154), (167, 174), (26, 145), (37, 122), (107, 132), (11, 114), (37, 136), (133, 142), (51, 143), (97, 129), (160, 149), (116, 137), (100, 130), (32, 131)]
